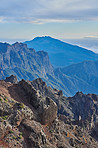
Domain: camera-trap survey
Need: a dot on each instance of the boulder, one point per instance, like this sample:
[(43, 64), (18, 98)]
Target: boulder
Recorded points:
[(36, 137), (48, 111)]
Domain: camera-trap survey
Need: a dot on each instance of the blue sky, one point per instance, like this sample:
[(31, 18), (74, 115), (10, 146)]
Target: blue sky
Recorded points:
[(25, 19)]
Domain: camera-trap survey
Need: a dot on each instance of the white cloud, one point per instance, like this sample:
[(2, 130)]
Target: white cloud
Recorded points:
[(41, 11)]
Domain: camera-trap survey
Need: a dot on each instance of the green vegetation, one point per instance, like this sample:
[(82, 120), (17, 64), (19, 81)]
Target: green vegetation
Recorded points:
[(5, 99), (11, 132), (4, 117), (21, 106), (0, 99), (14, 137), (20, 135)]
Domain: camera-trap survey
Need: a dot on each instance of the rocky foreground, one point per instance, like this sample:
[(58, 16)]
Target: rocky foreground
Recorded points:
[(33, 115)]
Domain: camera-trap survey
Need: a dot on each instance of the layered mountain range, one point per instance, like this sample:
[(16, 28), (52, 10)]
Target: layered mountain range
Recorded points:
[(26, 63), (34, 113)]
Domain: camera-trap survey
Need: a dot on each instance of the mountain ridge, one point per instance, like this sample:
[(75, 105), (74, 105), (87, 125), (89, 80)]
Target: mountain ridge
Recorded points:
[(61, 54), (26, 63)]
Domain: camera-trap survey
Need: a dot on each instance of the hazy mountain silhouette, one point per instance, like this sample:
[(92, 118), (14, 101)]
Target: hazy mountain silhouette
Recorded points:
[(60, 53), (82, 76)]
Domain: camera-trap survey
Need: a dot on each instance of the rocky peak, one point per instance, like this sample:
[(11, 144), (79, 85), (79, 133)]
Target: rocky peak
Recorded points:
[(18, 58), (45, 107), (13, 79), (45, 90), (29, 119), (84, 108), (19, 45), (3, 47)]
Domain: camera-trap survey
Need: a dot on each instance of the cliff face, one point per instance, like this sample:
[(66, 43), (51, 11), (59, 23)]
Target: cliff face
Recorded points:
[(22, 61), (28, 117), (12, 79), (79, 107)]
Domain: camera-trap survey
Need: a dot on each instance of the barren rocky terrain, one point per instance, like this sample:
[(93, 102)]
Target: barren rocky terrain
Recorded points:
[(33, 115)]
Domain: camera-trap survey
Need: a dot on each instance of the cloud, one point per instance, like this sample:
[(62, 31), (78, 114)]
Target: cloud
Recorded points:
[(42, 11)]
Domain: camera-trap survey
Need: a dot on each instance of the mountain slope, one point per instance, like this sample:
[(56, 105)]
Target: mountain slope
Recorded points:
[(19, 59), (26, 63), (60, 53), (83, 76), (29, 119)]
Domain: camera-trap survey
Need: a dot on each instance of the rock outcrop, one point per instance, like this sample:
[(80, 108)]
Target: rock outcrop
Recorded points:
[(84, 108), (12, 79), (81, 108), (28, 117), (45, 107)]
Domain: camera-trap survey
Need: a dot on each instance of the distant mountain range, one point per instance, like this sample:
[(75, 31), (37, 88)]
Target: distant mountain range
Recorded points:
[(81, 76), (61, 54), (26, 63)]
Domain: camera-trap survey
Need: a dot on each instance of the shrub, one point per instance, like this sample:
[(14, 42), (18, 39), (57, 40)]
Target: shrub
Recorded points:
[(20, 136), (11, 132), (14, 137), (4, 117), (5, 99), (0, 99), (21, 105)]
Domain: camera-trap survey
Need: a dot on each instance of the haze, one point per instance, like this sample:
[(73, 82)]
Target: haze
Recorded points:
[(22, 20)]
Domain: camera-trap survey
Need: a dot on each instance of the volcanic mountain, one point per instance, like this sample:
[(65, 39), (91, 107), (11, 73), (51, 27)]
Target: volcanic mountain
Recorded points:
[(26, 63), (61, 54)]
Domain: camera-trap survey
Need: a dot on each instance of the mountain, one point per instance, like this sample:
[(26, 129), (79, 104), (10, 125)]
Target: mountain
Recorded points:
[(87, 71), (70, 106), (82, 77), (26, 63), (60, 53), (23, 62), (29, 119)]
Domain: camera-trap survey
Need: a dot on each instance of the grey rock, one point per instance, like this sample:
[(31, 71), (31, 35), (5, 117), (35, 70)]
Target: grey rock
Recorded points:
[(13, 79), (45, 107)]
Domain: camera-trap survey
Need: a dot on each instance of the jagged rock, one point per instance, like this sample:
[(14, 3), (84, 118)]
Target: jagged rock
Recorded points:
[(36, 137), (19, 113), (28, 118), (60, 93), (45, 90), (82, 108), (5, 106), (13, 79), (45, 107), (5, 127), (72, 142), (48, 111), (94, 131), (33, 95)]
